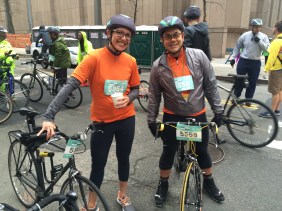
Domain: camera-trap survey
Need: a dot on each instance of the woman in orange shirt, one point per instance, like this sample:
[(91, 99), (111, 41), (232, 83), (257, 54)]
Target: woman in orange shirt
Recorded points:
[(108, 70)]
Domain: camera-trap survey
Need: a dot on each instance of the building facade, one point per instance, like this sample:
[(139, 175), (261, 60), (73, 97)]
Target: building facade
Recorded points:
[(227, 19)]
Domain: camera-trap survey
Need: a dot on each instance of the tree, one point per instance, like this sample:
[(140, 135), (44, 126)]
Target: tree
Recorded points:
[(9, 21), (135, 4)]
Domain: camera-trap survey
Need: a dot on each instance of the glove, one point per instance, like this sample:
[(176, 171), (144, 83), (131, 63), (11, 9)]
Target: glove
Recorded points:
[(256, 39), (153, 128), (218, 118), (232, 62)]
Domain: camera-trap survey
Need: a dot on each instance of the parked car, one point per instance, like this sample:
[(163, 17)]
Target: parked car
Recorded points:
[(72, 45)]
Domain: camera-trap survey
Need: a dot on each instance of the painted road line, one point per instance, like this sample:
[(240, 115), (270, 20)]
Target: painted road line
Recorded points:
[(276, 144)]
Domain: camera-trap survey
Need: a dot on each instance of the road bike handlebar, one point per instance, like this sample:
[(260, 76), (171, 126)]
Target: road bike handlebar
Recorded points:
[(190, 121)]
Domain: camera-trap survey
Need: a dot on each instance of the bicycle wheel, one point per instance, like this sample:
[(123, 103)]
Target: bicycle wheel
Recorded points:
[(74, 99), (83, 186), (143, 97), (6, 107), (191, 194), (246, 127), (34, 85), (19, 94), (23, 173)]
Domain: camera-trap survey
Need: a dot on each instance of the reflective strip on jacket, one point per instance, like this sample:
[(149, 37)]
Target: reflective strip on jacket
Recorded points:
[(162, 83)]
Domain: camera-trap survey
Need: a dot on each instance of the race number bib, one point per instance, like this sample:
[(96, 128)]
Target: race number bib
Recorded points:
[(188, 132), (113, 86), (184, 83), (70, 148)]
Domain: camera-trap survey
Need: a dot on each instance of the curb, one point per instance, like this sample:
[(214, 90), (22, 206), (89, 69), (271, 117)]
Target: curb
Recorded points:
[(230, 79)]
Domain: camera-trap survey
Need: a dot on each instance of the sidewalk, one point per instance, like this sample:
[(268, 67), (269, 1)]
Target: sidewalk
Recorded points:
[(221, 69)]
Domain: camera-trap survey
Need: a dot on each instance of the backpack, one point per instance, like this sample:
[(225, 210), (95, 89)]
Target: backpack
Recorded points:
[(280, 52)]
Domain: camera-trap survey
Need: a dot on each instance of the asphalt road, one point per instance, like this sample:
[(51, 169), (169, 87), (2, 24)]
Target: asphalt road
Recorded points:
[(249, 178)]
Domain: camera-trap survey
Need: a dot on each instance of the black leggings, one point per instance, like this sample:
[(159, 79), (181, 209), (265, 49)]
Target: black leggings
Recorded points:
[(170, 144), (123, 130)]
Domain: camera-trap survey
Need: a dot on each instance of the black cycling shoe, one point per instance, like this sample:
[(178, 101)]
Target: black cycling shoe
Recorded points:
[(161, 194), (213, 191)]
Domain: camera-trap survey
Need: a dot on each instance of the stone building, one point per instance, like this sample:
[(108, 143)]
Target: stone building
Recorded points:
[(227, 19)]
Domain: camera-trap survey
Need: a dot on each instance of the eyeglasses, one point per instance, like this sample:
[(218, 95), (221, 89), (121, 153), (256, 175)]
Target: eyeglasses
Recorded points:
[(121, 34), (169, 37)]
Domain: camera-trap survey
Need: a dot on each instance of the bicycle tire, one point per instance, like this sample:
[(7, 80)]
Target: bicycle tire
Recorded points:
[(82, 186), (74, 99), (191, 193), (34, 85), (6, 107), (23, 173), (143, 97), (19, 94), (246, 127)]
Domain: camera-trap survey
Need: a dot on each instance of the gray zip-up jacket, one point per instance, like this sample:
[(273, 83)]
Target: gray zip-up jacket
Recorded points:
[(162, 83)]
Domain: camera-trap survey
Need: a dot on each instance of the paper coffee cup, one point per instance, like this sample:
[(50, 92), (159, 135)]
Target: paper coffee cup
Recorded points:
[(116, 96)]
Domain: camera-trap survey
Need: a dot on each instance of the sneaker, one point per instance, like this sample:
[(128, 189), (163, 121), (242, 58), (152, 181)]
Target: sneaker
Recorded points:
[(125, 203), (277, 113), (161, 194), (90, 209), (212, 190), (265, 114)]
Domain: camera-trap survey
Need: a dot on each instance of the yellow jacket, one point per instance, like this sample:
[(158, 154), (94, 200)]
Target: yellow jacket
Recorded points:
[(275, 49)]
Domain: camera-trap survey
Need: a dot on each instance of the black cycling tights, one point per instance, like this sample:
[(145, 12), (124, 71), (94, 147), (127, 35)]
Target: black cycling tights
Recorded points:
[(170, 143), (123, 130)]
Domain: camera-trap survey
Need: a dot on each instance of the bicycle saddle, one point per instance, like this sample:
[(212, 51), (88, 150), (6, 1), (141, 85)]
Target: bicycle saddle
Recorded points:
[(28, 111)]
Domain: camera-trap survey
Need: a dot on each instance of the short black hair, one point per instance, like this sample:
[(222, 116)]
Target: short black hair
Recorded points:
[(278, 26)]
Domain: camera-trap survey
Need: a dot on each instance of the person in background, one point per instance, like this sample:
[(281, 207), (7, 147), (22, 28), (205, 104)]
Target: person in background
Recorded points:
[(274, 68), (44, 38), (196, 33), (84, 47), (5, 47), (251, 43), (107, 69), (183, 77), (59, 55)]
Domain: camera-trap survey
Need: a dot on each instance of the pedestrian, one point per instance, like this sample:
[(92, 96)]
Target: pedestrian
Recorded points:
[(5, 47), (193, 68), (274, 68), (59, 55), (84, 47), (44, 38), (251, 44), (107, 69), (196, 33)]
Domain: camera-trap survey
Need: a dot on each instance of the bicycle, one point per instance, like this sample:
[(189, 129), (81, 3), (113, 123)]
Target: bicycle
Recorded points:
[(6, 107), (68, 202), (143, 96), (243, 121), (186, 160), (35, 81), (27, 165), (18, 92)]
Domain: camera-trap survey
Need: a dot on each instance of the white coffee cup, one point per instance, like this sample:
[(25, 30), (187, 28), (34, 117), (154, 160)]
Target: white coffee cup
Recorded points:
[(116, 96)]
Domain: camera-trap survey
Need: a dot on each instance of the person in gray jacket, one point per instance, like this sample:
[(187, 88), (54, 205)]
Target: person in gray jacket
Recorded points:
[(250, 45), (184, 77)]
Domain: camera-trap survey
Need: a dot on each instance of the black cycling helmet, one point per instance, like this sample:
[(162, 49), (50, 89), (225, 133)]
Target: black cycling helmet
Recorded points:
[(192, 13), (53, 29), (256, 22), (170, 22), (121, 21), (41, 27)]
